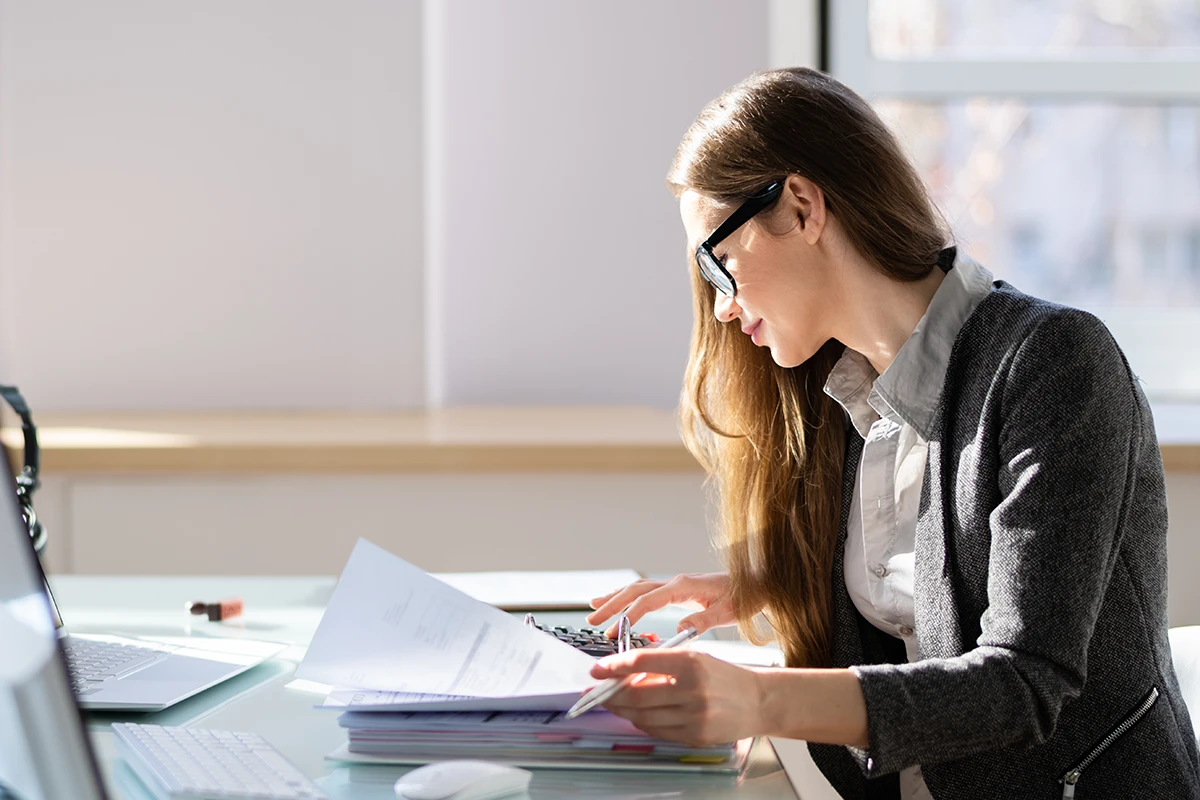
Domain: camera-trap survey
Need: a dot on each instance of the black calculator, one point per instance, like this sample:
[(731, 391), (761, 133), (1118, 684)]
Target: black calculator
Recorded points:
[(591, 640)]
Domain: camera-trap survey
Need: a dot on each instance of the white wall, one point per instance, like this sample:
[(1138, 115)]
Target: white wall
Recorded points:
[(463, 523), (211, 205), (279, 525), (191, 192), (1183, 547), (558, 268)]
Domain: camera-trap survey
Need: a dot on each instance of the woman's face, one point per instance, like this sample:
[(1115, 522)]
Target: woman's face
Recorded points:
[(784, 296)]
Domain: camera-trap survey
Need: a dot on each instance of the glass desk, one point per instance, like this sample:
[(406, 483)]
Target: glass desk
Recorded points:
[(287, 610)]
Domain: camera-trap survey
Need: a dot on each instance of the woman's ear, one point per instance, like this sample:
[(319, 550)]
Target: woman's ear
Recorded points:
[(807, 202)]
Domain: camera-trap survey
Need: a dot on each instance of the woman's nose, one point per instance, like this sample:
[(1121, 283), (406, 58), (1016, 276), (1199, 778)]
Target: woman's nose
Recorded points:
[(725, 308)]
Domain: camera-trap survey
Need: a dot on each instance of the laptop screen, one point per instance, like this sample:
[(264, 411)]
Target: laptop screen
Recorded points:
[(25, 595), (21, 575)]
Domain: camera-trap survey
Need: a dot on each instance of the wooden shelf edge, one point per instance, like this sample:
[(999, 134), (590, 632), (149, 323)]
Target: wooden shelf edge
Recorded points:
[(1181, 457), (441, 458), (366, 459)]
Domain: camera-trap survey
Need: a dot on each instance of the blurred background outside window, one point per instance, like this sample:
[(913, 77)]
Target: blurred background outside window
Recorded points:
[(1061, 139)]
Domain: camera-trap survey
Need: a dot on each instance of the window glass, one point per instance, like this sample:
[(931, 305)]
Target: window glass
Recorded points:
[(1089, 204), (905, 29)]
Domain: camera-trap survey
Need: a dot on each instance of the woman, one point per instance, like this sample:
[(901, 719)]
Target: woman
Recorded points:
[(945, 496)]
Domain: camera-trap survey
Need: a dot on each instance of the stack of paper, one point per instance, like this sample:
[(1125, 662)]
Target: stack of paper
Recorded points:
[(594, 739), (395, 639)]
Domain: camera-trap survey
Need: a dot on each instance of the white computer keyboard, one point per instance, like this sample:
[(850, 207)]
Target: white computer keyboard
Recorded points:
[(199, 764)]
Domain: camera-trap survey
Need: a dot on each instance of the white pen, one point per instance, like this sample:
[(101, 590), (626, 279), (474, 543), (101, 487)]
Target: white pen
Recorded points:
[(605, 690)]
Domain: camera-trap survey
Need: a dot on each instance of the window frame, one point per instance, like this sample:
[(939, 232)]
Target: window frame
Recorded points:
[(1096, 74)]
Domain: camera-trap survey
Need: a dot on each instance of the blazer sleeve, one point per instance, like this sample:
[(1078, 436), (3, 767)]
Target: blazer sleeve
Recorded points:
[(1069, 433)]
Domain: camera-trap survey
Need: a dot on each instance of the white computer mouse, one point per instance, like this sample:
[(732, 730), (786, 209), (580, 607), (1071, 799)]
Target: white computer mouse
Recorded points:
[(462, 780)]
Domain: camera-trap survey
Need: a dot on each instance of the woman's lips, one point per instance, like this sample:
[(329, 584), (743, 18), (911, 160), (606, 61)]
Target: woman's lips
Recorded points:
[(754, 332)]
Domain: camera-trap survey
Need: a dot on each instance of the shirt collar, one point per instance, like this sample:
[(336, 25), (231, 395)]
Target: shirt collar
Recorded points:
[(850, 382), (911, 387)]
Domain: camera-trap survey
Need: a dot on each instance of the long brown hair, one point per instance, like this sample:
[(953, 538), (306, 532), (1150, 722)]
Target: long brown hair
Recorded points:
[(770, 438)]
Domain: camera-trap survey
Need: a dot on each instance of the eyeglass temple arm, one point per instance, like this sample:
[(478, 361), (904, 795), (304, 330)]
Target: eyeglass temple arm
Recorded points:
[(745, 211)]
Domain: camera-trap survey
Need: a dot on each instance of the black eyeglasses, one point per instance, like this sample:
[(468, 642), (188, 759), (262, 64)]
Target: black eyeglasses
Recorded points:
[(710, 266)]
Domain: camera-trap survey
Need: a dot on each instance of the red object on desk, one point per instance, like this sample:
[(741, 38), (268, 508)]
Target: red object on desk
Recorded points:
[(217, 611)]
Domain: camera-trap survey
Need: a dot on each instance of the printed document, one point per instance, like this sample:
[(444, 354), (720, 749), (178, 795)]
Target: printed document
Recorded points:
[(390, 626), (533, 591)]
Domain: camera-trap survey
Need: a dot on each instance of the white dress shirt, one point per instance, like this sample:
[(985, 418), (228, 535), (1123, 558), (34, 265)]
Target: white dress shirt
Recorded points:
[(893, 412)]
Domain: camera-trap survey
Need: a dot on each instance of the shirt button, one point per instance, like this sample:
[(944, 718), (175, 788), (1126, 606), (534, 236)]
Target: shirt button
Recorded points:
[(880, 570), (905, 630)]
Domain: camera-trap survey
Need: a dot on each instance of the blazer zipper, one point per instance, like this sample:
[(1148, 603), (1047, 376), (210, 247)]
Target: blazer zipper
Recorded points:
[(1072, 777)]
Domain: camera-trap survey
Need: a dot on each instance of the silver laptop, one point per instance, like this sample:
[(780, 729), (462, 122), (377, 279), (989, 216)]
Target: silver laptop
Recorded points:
[(118, 674)]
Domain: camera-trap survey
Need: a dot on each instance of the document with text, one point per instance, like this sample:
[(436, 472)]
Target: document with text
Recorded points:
[(534, 591), (392, 627)]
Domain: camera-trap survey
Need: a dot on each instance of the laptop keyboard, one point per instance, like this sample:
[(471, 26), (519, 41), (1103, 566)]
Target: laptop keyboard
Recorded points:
[(92, 662)]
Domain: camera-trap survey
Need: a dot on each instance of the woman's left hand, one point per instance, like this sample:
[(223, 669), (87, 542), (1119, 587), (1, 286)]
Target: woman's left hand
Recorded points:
[(686, 696)]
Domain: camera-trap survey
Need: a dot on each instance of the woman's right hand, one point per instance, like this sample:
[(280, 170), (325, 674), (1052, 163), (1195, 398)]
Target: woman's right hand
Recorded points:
[(710, 590)]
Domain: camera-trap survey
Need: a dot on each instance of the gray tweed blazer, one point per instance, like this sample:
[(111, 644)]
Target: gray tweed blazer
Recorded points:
[(1040, 585)]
